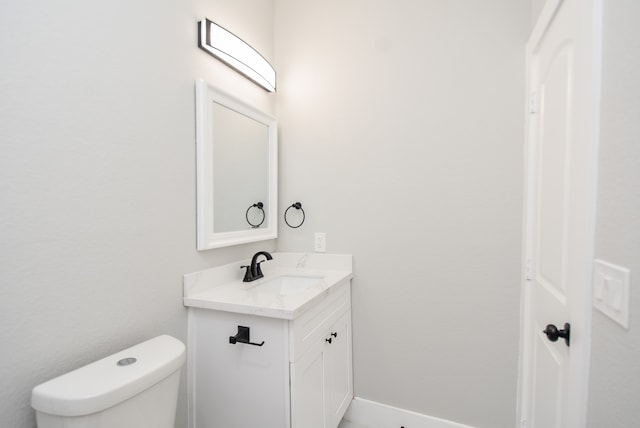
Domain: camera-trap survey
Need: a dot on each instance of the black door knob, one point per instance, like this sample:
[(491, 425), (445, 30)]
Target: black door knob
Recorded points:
[(553, 333)]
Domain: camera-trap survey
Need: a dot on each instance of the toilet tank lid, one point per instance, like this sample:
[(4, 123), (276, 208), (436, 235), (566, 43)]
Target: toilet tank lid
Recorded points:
[(105, 383)]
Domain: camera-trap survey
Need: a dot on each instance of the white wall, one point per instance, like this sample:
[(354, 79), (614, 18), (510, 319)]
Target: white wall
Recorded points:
[(536, 8), (401, 132), (615, 371), (97, 177)]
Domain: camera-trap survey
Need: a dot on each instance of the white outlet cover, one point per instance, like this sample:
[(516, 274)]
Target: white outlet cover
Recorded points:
[(611, 287), (320, 242)]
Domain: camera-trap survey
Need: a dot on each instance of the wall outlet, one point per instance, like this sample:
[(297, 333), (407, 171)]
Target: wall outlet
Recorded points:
[(320, 242), (611, 285)]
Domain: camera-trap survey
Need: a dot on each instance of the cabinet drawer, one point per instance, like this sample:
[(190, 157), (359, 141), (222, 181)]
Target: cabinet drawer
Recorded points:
[(315, 324)]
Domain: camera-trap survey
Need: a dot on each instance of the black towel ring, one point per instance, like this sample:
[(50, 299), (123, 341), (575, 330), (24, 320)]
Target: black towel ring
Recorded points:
[(260, 206), (297, 206)]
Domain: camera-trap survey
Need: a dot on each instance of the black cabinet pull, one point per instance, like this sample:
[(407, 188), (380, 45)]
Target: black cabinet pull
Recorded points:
[(334, 334)]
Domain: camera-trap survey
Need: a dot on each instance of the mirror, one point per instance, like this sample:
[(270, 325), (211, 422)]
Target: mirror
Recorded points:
[(236, 147)]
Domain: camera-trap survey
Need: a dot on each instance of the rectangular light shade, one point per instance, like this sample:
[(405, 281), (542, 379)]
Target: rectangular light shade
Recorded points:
[(236, 53)]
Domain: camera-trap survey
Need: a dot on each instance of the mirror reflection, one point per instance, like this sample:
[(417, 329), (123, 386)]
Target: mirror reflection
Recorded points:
[(240, 170)]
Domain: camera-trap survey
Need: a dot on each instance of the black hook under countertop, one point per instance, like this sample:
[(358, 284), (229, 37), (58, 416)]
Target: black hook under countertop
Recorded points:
[(243, 337)]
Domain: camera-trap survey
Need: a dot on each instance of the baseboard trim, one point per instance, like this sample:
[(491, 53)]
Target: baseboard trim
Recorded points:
[(377, 415)]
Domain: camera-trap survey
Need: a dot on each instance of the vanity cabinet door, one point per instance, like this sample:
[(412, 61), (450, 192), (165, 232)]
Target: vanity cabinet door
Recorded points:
[(338, 383), (321, 381), (307, 389)]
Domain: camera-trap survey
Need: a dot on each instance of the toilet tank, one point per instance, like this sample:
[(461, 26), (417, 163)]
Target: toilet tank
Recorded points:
[(134, 388)]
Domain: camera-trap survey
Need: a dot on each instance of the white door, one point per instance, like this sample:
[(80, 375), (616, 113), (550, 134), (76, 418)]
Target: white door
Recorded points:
[(563, 58)]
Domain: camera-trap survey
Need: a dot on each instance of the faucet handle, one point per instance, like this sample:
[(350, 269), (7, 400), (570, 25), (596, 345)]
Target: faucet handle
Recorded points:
[(248, 277)]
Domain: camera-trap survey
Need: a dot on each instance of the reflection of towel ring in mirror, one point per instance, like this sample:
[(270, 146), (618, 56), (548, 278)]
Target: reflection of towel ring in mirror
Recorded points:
[(297, 206), (260, 206)]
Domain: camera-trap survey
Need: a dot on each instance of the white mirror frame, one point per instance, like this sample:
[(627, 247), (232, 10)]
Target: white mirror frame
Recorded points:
[(207, 238)]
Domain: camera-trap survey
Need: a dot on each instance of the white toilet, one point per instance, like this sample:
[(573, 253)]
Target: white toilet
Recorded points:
[(134, 388)]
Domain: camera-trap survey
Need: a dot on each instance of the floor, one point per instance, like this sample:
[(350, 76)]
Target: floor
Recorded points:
[(347, 424)]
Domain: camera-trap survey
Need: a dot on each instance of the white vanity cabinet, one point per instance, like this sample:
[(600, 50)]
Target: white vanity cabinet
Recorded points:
[(301, 377)]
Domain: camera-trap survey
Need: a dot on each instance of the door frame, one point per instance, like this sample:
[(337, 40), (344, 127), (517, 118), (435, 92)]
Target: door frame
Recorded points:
[(581, 323)]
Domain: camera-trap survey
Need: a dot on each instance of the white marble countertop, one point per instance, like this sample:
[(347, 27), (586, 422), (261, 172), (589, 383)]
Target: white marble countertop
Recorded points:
[(221, 288)]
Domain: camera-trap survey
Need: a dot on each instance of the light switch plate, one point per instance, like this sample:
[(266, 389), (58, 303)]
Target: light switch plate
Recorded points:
[(611, 284)]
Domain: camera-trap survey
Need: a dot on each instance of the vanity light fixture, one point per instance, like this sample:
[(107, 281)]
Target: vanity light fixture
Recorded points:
[(236, 53)]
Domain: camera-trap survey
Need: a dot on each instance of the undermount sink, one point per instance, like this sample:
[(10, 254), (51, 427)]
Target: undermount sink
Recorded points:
[(288, 284)]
